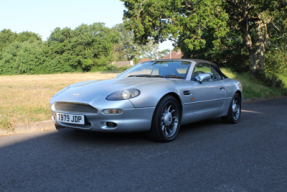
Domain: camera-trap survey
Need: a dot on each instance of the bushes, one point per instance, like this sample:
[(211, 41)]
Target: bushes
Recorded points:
[(22, 58), (276, 62), (82, 49), (275, 66)]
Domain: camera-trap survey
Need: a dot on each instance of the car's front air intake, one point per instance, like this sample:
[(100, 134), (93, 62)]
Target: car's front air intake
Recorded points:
[(75, 107)]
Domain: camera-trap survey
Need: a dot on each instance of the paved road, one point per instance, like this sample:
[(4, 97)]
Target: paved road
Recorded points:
[(207, 156)]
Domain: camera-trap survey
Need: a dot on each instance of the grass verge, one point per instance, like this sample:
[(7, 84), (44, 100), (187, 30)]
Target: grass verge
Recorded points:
[(253, 88)]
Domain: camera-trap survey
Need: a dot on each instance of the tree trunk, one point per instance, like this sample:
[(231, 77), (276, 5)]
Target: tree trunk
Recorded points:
[(256, 63), (257, 51)]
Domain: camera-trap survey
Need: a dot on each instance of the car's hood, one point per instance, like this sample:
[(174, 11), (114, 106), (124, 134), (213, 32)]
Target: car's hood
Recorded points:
[(89, 90)]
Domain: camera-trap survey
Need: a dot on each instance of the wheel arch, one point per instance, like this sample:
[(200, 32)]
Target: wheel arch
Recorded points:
[(176, 96), (240, 95)]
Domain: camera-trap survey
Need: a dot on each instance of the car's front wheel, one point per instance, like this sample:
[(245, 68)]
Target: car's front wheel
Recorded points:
[(234, 111), (166, 120)]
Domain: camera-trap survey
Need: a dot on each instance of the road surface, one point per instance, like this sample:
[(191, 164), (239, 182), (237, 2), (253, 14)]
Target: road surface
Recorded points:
[(206, 156)]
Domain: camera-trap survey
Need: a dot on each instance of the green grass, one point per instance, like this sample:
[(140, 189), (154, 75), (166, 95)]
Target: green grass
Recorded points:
[(253, 88), (283, 79)]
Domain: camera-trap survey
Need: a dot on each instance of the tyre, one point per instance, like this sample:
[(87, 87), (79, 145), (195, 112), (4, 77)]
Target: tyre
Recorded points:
[(234, 111), (166, 120)]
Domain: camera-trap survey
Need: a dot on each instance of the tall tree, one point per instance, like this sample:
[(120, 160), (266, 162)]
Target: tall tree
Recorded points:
[(28, 36), (6, 38), (86, 47), (22, 58), (256, 19), (187, 23), (127, 49)]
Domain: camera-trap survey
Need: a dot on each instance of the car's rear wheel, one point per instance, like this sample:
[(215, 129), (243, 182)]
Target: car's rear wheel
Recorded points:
[(234, 111), (166, 120)]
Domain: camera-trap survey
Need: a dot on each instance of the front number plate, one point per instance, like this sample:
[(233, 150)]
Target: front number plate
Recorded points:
[(73, 119)]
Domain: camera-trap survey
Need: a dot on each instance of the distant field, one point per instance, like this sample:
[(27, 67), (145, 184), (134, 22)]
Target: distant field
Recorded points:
[(25, 98)]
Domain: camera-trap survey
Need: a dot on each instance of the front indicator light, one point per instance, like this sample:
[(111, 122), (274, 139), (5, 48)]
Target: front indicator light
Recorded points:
[(112, 111)]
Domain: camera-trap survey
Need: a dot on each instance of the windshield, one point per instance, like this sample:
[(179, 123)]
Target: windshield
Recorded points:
[(159, 69)]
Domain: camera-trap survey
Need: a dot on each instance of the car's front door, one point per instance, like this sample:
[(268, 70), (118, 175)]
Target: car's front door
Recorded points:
[(209, 96)]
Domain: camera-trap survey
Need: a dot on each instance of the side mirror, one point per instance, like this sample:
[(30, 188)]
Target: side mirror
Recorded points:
[(203, 77)]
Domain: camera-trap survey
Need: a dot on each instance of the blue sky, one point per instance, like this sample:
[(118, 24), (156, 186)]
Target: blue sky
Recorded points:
[(43, 16)]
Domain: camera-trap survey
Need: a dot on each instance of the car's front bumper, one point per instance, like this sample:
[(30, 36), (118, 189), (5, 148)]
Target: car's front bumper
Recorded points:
[(131, 120)]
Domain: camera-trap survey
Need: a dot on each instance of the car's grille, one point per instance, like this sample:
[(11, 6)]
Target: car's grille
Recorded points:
[(75, 107)]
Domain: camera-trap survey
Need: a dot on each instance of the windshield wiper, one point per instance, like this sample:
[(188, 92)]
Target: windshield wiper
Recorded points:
[(174, 76), (145, 75)]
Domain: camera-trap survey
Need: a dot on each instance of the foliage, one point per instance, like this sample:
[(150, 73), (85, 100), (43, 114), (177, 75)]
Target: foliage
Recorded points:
[(6, 38), (160, 19), (21, 53), (276, 66), (27, 36), (86, 47), (276, 61), (21, 58), (253, 88), (127, 49), (204, 28)]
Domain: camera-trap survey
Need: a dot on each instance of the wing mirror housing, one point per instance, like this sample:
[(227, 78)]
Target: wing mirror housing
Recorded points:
[(203, 77)]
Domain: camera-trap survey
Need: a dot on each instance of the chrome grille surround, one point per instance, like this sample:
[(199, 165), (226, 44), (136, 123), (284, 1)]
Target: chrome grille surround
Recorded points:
[(75, 107)]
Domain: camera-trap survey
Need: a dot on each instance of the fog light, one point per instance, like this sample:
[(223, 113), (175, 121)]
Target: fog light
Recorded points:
[(112, 111), (111, 124)]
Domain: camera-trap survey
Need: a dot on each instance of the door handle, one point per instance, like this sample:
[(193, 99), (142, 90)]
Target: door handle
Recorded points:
[(186, 93), (222, 88)]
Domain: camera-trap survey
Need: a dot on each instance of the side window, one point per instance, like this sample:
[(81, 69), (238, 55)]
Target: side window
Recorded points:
[(206, 68), (214, 74)]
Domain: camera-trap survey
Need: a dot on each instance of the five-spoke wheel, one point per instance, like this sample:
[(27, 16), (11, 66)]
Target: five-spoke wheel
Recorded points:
[(166, 120), (234, 111)]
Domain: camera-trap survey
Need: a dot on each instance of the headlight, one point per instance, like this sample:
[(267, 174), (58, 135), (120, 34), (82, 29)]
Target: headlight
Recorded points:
[(124, 94)]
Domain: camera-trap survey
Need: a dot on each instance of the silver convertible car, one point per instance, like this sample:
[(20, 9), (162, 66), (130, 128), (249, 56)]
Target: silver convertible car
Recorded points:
[(155, 96)]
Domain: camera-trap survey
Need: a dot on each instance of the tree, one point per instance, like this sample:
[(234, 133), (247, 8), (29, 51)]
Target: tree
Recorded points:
[(256, 19), (28, 36), (127, 49), (194, 25), (22, 58), (6, 38), (83, 49)]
